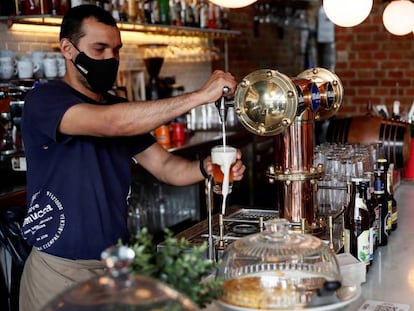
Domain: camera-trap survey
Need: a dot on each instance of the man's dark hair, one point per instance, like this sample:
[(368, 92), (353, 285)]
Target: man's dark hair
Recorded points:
[(72, 22)]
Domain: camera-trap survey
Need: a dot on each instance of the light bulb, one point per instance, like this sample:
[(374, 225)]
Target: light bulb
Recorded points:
[(347, 13), (232, 4), (398, 17)]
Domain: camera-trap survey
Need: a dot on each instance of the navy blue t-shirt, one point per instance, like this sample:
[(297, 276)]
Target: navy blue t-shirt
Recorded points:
[(77, 186)]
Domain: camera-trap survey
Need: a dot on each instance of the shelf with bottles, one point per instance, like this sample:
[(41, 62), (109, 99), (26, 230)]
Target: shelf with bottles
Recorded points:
[(167, 30)]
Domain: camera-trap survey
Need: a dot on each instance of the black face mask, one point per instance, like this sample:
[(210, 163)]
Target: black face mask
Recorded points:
[(100, 73)]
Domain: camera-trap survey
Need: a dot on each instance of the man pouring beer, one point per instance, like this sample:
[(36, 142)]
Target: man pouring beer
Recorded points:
[(79, 142)]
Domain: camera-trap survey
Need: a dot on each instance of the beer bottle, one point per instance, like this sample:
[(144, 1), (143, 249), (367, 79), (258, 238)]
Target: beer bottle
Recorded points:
[(390, 184), (164, 11), (373, 211), (365, 184), (203, 14), (361, 224), (382, 206), (349, 219), (382, 165)]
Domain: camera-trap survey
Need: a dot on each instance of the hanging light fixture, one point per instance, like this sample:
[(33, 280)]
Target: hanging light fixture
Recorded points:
[(232, 4), (398, 17), (347, 13)]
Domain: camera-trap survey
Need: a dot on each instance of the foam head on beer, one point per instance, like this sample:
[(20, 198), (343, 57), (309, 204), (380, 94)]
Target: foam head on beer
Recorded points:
[(223, 157)]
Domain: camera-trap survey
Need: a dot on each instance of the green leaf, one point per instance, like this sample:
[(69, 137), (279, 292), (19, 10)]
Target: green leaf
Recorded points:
[(179, 264)]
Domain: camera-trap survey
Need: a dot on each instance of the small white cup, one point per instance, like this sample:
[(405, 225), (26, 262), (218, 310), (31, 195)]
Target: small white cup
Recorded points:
[(7, 67), (37, 59), (50, 67), (25, 68)]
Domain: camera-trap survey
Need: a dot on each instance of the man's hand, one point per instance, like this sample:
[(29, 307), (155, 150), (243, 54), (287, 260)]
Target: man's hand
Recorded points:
[(212, 90), (238, 169)]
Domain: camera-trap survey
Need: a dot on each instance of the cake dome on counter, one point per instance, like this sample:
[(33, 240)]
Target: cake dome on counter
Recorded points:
[(120, 290), (279, 269)]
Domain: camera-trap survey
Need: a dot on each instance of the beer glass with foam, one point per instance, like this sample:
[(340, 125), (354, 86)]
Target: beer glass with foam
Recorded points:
[(223, 159)]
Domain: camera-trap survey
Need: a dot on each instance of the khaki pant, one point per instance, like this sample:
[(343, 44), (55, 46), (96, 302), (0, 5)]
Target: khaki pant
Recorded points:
[(45, 276)]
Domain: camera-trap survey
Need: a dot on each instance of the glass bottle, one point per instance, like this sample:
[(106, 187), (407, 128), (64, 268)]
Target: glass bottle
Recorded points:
[(141, 12), (132, 11), (373, 215), (362, 223), (382, 206), (175, 12), (164, 11), (382, 165), (349, 219), (203, 14), (357, 224), (211, 22), (147, 11), (155, 12)]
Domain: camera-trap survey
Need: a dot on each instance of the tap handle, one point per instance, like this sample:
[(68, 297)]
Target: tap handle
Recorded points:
[(222, 106), (226, 90)]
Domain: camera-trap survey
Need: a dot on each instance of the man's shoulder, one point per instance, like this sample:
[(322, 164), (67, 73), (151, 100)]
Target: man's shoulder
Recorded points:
[(49, 87)]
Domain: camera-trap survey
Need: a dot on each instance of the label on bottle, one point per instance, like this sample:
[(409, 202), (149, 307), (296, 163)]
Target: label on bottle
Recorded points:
[(363, 248), (389, 219), (385, 225), (394, 217)]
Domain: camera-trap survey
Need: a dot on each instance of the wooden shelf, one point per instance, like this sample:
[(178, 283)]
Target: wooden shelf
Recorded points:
[(48, 20)]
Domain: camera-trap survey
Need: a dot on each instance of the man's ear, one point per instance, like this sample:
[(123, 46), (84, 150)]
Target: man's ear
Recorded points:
[(67, 49)]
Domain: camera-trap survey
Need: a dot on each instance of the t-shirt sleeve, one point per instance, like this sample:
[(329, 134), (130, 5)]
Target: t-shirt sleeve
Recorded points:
[(45, 106)]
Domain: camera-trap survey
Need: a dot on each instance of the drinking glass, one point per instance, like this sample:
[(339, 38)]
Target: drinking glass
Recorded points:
[(223, 159)]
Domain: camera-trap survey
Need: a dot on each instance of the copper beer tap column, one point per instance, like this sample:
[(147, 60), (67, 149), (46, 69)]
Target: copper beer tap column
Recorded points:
[(294, 174), (269, 103)]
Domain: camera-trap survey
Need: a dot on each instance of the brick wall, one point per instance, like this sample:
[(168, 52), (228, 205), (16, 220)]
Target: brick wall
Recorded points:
[(371, 62), (270, 47)]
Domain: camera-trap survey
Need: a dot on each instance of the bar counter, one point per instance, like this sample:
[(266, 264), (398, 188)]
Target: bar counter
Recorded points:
[(391, 276)]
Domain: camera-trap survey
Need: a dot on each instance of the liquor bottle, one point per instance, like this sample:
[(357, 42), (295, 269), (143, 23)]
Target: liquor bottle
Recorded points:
[(372, 218), (115, 8), (390, 185), (203, 14), (183, 11), (365, 236), (382, 205), (195, 5), (123, 10), (373, 214), (175, 9), (382, 165), (132, 11), (211, 22), (155, 12), (359, 229), (147, 11), (189, 15), (164, 11), (349, 218)]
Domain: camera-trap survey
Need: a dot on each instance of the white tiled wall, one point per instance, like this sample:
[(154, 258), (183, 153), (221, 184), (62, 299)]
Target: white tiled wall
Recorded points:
[(190, 73)]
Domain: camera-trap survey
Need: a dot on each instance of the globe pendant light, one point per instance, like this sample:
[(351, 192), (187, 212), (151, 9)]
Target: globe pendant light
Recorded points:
[(347, 13), (232, 4), (398, 17)]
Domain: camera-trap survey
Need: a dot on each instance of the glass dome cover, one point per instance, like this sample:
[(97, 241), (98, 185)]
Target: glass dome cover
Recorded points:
[(120, 290), (277, 269)]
